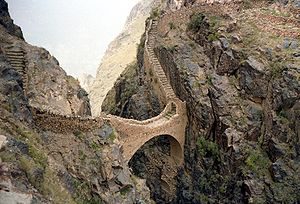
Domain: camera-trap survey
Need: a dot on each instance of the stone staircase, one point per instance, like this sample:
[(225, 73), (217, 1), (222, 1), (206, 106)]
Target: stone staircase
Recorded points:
[(162, 78), (16, 58)]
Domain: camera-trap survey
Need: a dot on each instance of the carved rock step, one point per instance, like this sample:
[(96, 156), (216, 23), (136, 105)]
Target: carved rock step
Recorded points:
[(169, 90), (160, 73), (14, 52), (15, 56), (17, 64), (20, 67), (16, 61), (163, 80), (170, 94), (156, 64), (14, 49)]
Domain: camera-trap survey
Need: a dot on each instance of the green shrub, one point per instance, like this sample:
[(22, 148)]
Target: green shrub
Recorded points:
[(276, 69), (257, 161), (154, 13), (196, 22), (209, 80), (213, 37), (125, 190), (112, 136), (78, 134), (172, 26), (207, 148)]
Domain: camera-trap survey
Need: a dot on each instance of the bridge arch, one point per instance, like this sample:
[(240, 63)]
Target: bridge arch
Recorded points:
[(134, 134), (176, 150)]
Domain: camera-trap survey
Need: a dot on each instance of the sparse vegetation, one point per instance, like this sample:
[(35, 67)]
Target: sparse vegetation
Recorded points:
[(112, 136), (277, 69), (209, 80), (82, 155), (172, 26), (95, 146), (79, 134), (207, 148), (257, 161), (171, 48), (129, 78), (125, 190), (155, 12), (212, 37), (151, 72), (196, 22)]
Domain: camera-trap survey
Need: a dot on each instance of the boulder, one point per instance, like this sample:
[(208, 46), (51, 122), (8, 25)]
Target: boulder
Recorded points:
[(278, 171), (3, 141)]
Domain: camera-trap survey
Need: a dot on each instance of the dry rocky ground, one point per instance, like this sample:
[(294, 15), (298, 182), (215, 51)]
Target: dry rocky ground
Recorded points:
[(237, 66)]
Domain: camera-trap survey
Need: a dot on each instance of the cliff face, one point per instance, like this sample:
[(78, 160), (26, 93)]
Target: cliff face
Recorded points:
[(7, 22), (48, 155), (46, 84), (237, 67), (120, 53)]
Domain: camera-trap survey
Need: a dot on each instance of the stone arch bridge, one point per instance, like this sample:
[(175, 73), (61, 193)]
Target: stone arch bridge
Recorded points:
[(133, 133)]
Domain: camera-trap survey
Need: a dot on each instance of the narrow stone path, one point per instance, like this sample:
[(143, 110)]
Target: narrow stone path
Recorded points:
[(16, 58)]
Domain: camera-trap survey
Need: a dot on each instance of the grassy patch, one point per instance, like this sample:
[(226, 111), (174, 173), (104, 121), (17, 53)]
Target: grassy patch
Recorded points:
[(112, 136), (95, 146), (51, 187), (38, 156), (213, 37), (276, 69), (257, 161)]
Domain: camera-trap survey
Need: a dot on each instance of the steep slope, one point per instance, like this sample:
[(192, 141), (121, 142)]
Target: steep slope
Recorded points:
[(120, 53), (236, 64), (47, 155)]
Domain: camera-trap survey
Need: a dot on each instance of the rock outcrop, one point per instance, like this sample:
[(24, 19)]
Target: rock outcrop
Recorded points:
[(49, 153), (120, 53), (237, 66)]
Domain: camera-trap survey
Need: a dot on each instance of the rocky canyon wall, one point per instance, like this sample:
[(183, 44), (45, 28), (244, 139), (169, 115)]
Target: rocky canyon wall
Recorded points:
[(238, 70), (49, 153), (120, 53)]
